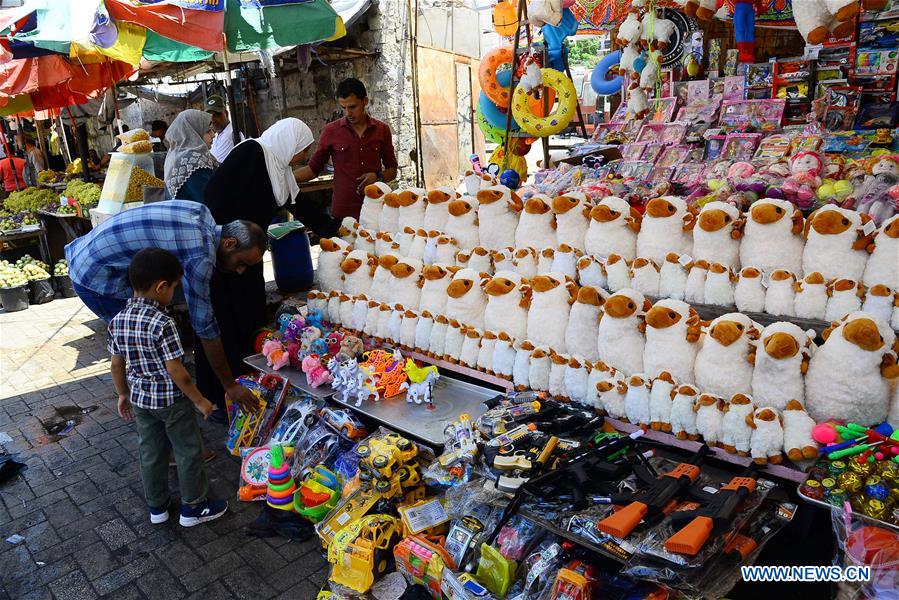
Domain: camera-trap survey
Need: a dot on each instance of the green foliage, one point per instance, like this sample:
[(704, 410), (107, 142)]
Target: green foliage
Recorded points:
[(583, 53)]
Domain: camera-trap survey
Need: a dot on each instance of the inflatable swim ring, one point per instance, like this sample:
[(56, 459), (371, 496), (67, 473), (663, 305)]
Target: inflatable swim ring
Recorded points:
[(559, 118)]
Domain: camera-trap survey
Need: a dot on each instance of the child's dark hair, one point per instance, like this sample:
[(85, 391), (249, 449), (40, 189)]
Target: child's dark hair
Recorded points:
[(151, 265)]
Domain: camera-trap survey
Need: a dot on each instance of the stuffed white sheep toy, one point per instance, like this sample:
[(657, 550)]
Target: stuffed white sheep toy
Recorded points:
[(724, 363), (879, 302), (780, 298), (436, 204), (423, 332), (317, 300), (766, 443), (750, 292), (673, 276), (437, 338), (347, 310), (883, 266), (575, 380), (503, 356), (545, 261), (836, 244), (736, 434), (473, 182), (384, 244), (620, 336), (661, 396), (502, 260), (673, 332), (719, 285), (481, 260), (644, 276), (467, 301), (348, 230), (498, 210), (334, 307), (435, 281), (525, 260), (358, 268), (599, 371), (539, 367), (462, 223), (683, 417), (404, 286), (418, 246), (389, 220), (471, 348), (407, 329), (709, 418), (557, 368), (537, 224), (848, 377), (380, 281), (631, 28), (590, 272), (798, 441), (572, 213), (636, 401), (395, 324), (521, 367), (781, 361), (506, 308), (455, 338), (365, 241), (412, 208), (565, 261), (550, 305), (583, 324), (372, 316), (844, 297), (666, 227), (445, 253), (811, 297), (613, 229), (618, 273), (716, 236), (328, 276), (485, 353), (694, 292), (370, 213), (612, 392), (772, 237)]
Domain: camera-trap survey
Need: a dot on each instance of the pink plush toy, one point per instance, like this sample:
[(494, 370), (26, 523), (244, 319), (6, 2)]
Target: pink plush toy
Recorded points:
[(293, 351), (316, 374), (334, 339), (805, 179), (276, 355)]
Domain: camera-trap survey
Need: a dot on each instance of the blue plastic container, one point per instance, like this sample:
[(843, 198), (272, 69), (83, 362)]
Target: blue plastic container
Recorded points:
[(292, 261)]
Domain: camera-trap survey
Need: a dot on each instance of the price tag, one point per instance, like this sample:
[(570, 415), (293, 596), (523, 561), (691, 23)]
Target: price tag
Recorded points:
[(869, 228), (63, 201), (685, 259), (424, 516)]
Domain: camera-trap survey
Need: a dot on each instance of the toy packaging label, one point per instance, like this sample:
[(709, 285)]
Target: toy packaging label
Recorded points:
[(876, 62), (462, 586), (733, 88), (773, 147), (424, 516), (761, 115), (697, 90)]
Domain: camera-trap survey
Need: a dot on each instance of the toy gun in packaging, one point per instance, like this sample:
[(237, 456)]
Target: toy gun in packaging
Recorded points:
[(657, 500)]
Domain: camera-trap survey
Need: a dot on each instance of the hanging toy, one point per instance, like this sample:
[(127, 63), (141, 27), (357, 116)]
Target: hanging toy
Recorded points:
[(505, 18), (744, 29)]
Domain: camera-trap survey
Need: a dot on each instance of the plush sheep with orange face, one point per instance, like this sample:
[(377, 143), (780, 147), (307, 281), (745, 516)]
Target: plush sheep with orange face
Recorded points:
[(370, 213), (583, 324), (749, 293), (683, 417), (365, 241), (709, 411), (811, 297), (719, 285), (844, 296), (545, 261), (485, 353), (334, 307), (349, 228), (423, 332), (879, 302), (613, 229), (618, 273), (502, 259), (883, 265), (673, 276), (724, 363), (575, 379), (435, 280), (716, 236), (407, 329), (437, 337), (612, 392), (572, 213), (590, 272), (665, 228), (436, 203), (766, 442), (525, 260), (317, 300), (620, 337), (781, 361), (539, 368), (384, 244), (736, 435), (462, 223), (644, 276), (537, 224), (504, 352), (694, 292), (521, 367), (380, 282), (418, 245), (772, 236), (506, 304), (411, 208), (661, 396), (445, 252), (372, 315), (558, 366), (389, 220), (347, 306), (550, 306), (467, 301), (455, 338), (358, 268), (848, 377), (798, 426), (471, 347), (498, 209), (836, 245), (328, 276), (673, 331), (598, 371), (474, 182), (780, 298), (480, 260), (636, 401), (404, 285), (565, 261)]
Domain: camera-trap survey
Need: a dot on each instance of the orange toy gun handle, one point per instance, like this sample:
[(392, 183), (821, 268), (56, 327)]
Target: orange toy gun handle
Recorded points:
[(622, 522), (740, 547), (691, 538)]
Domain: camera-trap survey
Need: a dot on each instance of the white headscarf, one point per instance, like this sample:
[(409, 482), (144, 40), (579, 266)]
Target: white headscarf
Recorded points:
[(187, 149), (281, 142)]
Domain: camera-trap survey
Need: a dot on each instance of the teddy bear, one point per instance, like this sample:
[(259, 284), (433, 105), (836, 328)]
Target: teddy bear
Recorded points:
[(521, 366), (525, 260), (435, 280), (381, 280), (709, 411), (423, 332), (836, 243), (437, 337), (328, 276), (564, 261), (358, 268), (879, 302), (408, 325), (572, 212), (844, 296), (781, 361), (661, 395), (636, 400), (848, 377), (666, 227), (583, 324), (558, 364), (436, 213), (876, 196), (506, 308), (348, 229), (716, 236), (370, 213), (817, 21), (467, 301), (797, 425), (772, 237), (749, 292), (618, 273), (550, 305), (766, 442), (719, 285), (612, 392), (673, 276), (620, 337), (736, 435), (811, 296), (697, 272), (411, 208), (462, 223), (536, 225), (365, 241), (455, 339), (613, 229), (471, 348), (498, 210), (683, 417), (590, 272), (644, 276), (724, 363), (446, 249), (672, 334), (539, 367), (484, 361), (882, 266), (780, 298)]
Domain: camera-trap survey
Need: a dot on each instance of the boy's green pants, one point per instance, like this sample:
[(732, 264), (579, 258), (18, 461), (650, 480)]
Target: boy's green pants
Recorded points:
[(178, 423)]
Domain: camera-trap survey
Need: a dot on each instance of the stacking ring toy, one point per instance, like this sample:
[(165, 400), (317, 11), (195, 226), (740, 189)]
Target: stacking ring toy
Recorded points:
[(490, 65), (559, 118)]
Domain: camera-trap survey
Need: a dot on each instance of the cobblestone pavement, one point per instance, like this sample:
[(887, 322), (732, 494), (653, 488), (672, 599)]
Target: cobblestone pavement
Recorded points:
[(79, 505)]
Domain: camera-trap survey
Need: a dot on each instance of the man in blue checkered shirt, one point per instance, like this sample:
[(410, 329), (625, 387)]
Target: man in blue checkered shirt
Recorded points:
[(98, 266), (155, 390)]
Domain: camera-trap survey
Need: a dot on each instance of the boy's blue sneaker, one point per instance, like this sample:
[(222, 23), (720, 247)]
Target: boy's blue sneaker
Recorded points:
[(203, 512), (159, 515)]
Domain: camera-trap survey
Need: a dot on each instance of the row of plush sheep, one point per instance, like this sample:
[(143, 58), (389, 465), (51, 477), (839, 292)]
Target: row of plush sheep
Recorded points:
[(847, 377), (773, 234)]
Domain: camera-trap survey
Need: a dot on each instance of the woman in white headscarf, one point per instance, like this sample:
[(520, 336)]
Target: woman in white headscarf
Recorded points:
[(188, 164)]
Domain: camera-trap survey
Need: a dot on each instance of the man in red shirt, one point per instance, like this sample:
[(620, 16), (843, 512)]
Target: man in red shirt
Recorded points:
[(12, 170), (360, 147)]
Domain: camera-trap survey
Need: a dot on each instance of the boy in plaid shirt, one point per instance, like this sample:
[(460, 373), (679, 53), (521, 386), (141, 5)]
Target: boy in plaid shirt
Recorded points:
[(143, 339)]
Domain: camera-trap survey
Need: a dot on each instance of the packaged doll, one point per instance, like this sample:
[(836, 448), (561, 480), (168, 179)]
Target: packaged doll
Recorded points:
[(873, 197)]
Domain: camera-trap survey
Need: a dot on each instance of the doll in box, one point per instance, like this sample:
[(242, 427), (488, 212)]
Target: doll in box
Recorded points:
[(873, 196)]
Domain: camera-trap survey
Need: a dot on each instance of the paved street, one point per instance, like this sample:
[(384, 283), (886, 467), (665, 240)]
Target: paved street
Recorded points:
[(79, 505)]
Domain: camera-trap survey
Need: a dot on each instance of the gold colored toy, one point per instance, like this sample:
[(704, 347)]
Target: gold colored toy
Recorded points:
[(363, 551)]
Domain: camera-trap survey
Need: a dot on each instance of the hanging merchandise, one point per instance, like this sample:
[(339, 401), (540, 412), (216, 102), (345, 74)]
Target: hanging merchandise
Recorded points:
[(554, 37), (494, 116), (491, 133), (505, 18), (599, 80), (511, 161), (489, 73), (818, 20), (559, 118)]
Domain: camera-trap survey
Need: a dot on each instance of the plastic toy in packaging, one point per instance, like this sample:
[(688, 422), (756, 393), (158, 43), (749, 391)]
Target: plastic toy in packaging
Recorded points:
[(363, 551), (421, 559)]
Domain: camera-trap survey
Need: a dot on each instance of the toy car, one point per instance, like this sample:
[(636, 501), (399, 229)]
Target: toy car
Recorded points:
[(296, 422), (344, 422)]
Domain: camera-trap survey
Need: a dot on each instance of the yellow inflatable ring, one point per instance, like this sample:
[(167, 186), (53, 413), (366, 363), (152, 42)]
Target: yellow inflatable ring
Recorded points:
[(490, 64), (561, 115), (511, 161)]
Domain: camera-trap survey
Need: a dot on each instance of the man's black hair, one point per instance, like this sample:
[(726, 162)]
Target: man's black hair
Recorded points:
[(351, 87), (151, 265), (158, 125)]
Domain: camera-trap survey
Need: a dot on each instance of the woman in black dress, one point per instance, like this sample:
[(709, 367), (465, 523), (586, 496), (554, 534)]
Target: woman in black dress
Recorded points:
[(254, 183)]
